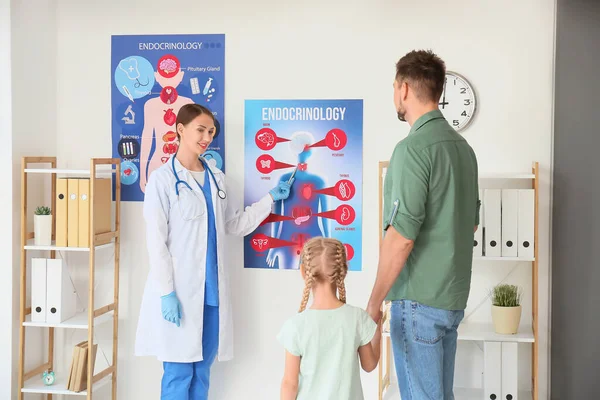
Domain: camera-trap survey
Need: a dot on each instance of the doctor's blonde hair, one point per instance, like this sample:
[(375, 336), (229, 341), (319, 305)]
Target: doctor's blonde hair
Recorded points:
[(323, 260)]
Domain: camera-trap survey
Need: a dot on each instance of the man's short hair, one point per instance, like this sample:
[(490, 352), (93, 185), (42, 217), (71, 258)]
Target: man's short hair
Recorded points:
[(425, 71)]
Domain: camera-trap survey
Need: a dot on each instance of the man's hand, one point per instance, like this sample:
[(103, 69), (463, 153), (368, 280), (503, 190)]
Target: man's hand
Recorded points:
[(375, 313), (392, 257)]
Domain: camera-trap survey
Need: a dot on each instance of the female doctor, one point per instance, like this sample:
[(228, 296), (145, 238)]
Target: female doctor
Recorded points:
[(185, 318)]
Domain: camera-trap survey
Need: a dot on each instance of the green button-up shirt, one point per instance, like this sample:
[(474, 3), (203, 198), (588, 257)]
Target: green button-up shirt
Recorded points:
[(431, 195)]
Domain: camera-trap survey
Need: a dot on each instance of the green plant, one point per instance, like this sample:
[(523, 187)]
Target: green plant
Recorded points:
[(506, 295), (42, 210)]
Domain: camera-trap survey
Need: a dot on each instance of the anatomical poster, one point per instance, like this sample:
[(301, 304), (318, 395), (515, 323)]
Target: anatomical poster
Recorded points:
[(152, 77), (319, 143)]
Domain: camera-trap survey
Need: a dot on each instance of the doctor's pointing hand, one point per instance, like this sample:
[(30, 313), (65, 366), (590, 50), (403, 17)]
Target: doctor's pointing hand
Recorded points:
[(185, 319)]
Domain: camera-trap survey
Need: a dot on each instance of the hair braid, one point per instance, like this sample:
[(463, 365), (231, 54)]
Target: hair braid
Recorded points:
[(306, 259), (340, 271)]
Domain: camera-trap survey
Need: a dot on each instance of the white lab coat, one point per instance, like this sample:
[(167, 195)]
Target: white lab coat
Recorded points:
[(177, 252)]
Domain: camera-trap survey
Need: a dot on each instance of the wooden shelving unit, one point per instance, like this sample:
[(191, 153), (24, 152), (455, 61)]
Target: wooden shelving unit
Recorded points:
[(30, 381), (481, 332)]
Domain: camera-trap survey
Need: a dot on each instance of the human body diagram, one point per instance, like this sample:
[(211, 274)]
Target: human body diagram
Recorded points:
[(306, 212), (302, 206), (160, 115)]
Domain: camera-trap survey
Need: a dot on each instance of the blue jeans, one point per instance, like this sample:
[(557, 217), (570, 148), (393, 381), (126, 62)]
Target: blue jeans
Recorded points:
[(190, 381), (424, 343)]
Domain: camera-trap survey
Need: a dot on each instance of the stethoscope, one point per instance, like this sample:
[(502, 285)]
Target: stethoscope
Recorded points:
[(221, 193)]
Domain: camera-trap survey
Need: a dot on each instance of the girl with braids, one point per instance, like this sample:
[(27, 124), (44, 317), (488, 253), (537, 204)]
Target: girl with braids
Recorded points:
[(325, 342)]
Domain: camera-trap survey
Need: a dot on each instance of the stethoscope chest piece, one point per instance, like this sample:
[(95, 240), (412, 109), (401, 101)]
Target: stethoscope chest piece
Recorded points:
[(222, 195)]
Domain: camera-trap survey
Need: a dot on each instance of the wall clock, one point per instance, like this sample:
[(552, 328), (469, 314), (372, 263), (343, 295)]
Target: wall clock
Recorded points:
[(458, 102)]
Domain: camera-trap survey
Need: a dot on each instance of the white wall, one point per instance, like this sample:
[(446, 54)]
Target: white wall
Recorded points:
[(311, 49), (33, 134), (6, 235)]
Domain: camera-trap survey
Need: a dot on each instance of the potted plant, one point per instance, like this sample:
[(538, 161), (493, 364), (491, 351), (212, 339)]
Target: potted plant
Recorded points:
[(506, 308), (42, 226)]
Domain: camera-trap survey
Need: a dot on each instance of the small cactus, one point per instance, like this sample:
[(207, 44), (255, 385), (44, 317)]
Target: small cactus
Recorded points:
[(42, 210)]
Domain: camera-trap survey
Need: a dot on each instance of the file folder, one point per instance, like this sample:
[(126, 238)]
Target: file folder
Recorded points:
[(61, 212), (38, 290), (61, 295), (510, 371), (492, 372), (526, 223), (103, 207), (84, 213), (73, 213), (510, 206), (478, 239), (493, 233)]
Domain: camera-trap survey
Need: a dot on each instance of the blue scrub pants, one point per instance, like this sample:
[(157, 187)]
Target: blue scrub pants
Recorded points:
[(189, 381)]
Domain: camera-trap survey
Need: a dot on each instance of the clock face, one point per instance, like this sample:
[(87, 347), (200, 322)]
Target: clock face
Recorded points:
[(458, 102), (49, 379)]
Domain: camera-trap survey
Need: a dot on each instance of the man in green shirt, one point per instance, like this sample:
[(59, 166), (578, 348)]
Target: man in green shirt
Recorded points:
[(431, 211)]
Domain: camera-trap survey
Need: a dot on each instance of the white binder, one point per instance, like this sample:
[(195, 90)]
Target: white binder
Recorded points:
[(492, 370), (478, 239), (38, 290), (61, 293), (492, 226), (526, 223), (510, 206), (510, 371)]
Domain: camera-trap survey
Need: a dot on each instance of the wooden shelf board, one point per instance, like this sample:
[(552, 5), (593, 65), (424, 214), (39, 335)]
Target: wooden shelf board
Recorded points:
[(477, 394), (475, 331), (53, 247), (507, 176), (512, 259), (79, 321), (84, 172), (35, 385)]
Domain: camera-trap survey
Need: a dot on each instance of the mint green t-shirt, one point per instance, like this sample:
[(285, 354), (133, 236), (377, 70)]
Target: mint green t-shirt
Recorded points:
[(327, 342)]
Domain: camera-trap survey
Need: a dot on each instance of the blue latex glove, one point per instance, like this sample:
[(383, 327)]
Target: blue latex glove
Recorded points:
[(281, 191), (171, 308)]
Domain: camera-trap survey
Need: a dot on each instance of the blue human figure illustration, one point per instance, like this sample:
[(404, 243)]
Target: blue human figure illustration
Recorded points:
[(302, 204)]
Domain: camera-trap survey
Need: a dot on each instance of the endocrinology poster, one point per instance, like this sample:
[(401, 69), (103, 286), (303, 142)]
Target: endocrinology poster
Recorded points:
[(152, 77), (320, 142)]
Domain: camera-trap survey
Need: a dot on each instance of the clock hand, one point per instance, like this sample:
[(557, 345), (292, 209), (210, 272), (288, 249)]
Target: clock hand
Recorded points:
[(444, 99)]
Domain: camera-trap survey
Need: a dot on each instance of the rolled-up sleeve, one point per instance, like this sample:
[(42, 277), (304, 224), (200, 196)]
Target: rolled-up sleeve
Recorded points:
[(156, 215), (410, 186)]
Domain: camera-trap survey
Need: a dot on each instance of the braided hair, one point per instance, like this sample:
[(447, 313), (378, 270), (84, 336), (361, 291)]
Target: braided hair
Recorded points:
[(323, 260)]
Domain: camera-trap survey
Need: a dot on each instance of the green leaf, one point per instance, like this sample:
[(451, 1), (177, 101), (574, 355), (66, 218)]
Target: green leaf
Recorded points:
[(506, 295)]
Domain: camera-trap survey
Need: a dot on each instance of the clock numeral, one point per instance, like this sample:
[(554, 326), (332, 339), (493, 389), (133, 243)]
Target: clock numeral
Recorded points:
[(463, 90), (464, 114), (455, 122), (467, 102)]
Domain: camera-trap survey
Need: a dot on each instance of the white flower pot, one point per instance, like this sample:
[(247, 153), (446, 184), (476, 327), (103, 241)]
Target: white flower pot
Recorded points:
[(42, 230), (506, 319)]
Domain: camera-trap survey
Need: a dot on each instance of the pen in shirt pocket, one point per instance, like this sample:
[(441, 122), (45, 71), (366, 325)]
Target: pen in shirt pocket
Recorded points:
[(394, 212)]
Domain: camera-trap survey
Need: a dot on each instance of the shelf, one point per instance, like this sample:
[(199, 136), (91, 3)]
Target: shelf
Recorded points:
[(35, 385), (83, 172), (475, 331), (53, 247), (79, 321), (512, 259), (507, 176), (478, 394), (483, 332), (459, 393)]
